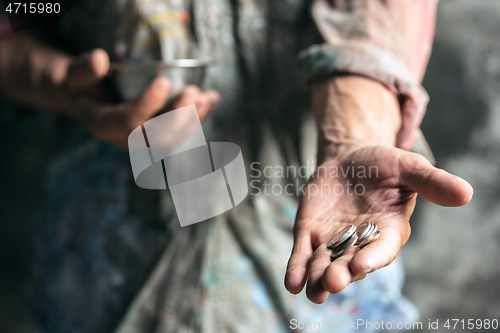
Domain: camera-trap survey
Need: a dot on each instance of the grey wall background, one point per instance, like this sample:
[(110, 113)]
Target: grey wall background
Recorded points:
[(453, 256), (452, 259)]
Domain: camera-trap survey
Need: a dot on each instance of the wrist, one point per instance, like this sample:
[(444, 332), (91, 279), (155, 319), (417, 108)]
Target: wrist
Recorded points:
[(353, 111)]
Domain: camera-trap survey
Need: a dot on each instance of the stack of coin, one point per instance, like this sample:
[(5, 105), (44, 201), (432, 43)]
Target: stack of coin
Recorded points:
[(367, 232), (342, 241), (363, 235)]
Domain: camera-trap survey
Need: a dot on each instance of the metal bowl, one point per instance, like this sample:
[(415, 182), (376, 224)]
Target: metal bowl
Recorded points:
[(132, 78)]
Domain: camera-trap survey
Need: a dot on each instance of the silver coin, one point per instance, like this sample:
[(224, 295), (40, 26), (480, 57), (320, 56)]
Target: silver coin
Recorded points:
[(343, 247), (373, 237), (363, 230), (341, 236), (372, 229)]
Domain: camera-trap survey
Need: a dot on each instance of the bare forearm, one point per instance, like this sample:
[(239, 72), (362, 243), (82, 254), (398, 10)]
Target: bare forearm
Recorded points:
[(354, 110)]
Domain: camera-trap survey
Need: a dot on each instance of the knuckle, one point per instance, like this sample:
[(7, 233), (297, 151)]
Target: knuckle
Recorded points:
[(360, 266)]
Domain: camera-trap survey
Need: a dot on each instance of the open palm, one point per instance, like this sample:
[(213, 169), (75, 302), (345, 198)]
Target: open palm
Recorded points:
[(377, 184)]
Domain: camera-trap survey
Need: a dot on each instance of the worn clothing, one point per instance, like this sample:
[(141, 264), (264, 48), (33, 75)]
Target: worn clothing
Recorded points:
[(112, 257)]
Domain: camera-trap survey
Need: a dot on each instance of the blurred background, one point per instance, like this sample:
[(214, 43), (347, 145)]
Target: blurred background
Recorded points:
[(452, 257)]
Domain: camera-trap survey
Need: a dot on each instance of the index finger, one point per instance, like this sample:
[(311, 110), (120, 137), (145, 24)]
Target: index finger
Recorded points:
[(149, 103), (382, 252)]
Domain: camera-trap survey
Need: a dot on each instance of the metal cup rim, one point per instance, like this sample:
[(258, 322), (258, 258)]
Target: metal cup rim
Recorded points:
[(177, 63)]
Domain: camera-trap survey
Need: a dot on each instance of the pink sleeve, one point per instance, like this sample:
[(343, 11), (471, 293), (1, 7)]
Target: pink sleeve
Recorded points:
[(387, 40)]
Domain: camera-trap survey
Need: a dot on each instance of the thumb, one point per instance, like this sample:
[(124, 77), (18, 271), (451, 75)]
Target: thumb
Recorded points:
[(149, 103), (87, 69), (433, 184)]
